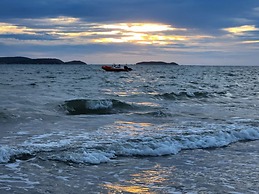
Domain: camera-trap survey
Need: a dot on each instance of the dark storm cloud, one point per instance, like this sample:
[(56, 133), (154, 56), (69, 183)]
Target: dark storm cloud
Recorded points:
[(188, 13)]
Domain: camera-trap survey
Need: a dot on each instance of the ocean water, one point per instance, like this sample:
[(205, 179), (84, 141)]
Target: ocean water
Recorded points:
[(156, 129)]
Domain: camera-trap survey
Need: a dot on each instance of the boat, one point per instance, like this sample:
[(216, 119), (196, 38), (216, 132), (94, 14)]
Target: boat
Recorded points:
[(116, 68)]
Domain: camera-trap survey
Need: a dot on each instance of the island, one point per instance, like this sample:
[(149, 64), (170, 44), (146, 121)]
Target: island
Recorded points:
[(156, 63), (26, 60)]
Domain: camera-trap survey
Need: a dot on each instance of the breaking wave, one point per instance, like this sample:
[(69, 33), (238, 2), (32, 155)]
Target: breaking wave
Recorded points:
[(86, 106), (102, 151), (184, 95), (158, 113), (190, 95)]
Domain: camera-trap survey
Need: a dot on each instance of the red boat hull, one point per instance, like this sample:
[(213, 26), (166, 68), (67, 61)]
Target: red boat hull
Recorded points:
[(115, 69)]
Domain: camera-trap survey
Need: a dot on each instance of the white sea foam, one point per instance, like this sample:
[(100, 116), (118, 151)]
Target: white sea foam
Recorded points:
[(117, 144), (49, 145), (6, 153), (159, 144), (84, 157), (149, 148), (100, 104)]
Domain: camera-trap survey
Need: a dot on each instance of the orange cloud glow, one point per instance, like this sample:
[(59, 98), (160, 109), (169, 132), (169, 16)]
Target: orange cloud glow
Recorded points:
[(69, 30), (141, 33)]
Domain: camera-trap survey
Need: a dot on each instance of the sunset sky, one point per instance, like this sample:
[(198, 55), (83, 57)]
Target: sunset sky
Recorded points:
[(205, 32)]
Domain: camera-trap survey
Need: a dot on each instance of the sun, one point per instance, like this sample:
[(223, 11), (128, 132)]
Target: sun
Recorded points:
[(140, 33), (138, 27)]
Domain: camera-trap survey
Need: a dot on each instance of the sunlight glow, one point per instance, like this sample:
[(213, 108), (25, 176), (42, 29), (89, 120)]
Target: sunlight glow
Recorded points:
[(108, 40), (250, 41), (145, 181), (63, 20), (6, 28), (140, 27), (128, 189), (241, 29), (69, 30), (140, 33)]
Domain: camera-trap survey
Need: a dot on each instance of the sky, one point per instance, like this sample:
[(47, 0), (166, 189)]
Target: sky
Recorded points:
[(189, 32)]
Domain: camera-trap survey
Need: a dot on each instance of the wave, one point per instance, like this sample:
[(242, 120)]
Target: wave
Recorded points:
[(6, 153), (158, 113), (184, 95), (160, 146), (192, 95), (96, 152), (87, 106), (7, 116), (4, 116)]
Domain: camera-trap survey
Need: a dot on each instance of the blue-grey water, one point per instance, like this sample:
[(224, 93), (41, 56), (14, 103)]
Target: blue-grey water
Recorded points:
[(156, 129)]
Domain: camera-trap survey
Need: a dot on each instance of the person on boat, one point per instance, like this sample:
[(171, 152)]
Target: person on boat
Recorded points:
[(127, 68), (116, 66)]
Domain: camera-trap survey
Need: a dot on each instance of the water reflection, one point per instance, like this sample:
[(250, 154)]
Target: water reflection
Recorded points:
[(149, 181), (132, 129), (113, 188), (150, 176), (132, 124)]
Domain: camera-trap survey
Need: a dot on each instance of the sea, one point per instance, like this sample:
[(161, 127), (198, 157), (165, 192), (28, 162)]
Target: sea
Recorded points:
[(74, 129)]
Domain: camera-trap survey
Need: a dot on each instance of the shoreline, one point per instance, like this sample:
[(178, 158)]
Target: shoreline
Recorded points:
[(229, 169)]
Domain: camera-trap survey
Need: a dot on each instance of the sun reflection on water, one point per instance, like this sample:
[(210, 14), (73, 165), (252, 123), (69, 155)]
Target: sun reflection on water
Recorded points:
[(122, 189), (147, 181)]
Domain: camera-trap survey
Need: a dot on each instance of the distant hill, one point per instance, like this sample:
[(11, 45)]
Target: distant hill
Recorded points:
[(155, 63), (75, 62), (26, 60)]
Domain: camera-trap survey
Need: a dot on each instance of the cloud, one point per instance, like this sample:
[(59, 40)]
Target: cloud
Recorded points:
[(73, 31), (255, 11), (247, 34), (188, 13), (129, 28), (241, 30), (6, 28)]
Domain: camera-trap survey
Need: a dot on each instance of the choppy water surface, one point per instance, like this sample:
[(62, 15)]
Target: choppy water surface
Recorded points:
[(157, 129)]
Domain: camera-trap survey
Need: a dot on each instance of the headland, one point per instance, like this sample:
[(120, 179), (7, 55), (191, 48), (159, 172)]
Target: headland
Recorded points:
[(26, 60)]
